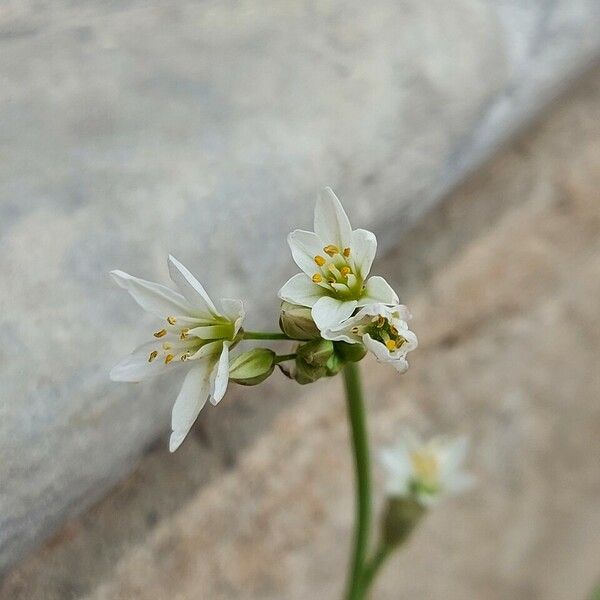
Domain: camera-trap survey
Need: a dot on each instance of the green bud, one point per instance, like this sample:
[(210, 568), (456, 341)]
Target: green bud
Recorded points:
[(400, 517), (334, 364), (296, 322), (305, 373), (350, 352), (316, 353), (252, 367)]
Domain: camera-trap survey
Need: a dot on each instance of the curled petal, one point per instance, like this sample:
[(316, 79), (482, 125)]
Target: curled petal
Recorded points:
[(220, 376), (330, 312), (234, 311)]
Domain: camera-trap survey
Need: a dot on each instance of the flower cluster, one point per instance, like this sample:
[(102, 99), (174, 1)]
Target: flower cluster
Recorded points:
[(333, 309)]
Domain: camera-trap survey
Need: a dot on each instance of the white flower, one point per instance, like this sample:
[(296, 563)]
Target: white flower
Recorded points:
[(335, 261), (426, 470), (195, 335), (382, 329)]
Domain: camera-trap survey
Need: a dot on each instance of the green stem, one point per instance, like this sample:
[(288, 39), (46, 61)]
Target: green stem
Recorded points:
[(372, 567), (357, 418), (282, 357), (264, 335)]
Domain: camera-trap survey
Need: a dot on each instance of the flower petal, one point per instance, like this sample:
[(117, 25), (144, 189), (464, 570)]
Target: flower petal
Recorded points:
[(190, 401), (191, 288), (136, 367), (331, 222), (378, 290), (305, 245), (364, 248), (233, 309), (343, 332), (153, 297), (220, 376), (299, 289), (330, 312)]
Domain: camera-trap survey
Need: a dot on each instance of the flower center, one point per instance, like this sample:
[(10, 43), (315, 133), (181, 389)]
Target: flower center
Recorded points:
[(426, 472), (382, 330), (337, 272)]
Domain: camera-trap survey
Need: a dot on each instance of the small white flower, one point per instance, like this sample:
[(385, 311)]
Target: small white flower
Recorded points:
[(426, 470), (195, 335), (335, 261), (382, 329)]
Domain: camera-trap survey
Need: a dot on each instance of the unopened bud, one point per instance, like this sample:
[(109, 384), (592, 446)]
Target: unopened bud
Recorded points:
[(296, 322), (316, 353), (334, 364), (400, 517), (350, 352), (305, 373), (252, 367)]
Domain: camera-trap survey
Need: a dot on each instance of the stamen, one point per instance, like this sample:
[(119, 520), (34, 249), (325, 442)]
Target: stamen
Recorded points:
[(345, 271), (168, 358), (355, 329), (399, 342), (331, 279), (393, 329), (184, 333), (346, 252), (380, 321), (184, 357), (320, 260), (317, 278), (171, 320), (331, 250), (167, 346), (160, 333), (390, 345), (152, 356)]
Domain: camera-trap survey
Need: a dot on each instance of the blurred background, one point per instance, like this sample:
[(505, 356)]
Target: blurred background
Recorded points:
[(465, 134)]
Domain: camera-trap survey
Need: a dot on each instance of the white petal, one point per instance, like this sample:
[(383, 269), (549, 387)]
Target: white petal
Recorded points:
[(299, 289), (305, 245), (331, 222), (153, 297), (190, 401), (135, 367), (378, 290), (455, 453), (343, 332), (364, 247), (220, 376), (381, 353), (191, 288), (331, 312), (400, 364), (233, 309)]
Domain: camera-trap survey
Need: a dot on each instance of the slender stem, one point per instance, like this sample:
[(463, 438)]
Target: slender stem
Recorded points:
[(357, 418), (281, 357), (265, 335), (372, 567)]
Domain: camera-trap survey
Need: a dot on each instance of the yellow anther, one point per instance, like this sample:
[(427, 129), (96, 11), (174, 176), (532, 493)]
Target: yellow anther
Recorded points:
[(152, 356), (355, 329), (346, 252), (184, 333), (390, 345), (320, 260), (331, 250), (160, 333), (168, 358), (380, 321), (167, 346), (331, 279), (393, 329), (345, 271), (317, 277), (171, 320)]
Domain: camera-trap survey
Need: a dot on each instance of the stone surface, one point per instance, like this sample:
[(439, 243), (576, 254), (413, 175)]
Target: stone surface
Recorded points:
[(133, 129), (503, 279)]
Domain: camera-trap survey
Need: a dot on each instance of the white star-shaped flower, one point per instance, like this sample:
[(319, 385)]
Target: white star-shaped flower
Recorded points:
[(194, 334), (428, 470), (335, 261), (382, 329)]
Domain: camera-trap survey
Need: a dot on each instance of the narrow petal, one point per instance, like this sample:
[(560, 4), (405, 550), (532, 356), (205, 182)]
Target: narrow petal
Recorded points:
[(233, 309), (364, 248), (220, 376), (190, 401), (305, 245), (191, 288), (301, 290), (331, 312), (136, 367), (331, 222), (153, 297), (378, 290)]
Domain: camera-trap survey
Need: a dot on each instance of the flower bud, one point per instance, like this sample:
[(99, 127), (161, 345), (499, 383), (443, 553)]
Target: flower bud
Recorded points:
[(316, 353), (334, 364), (252, 367), (305, 373), (350, 352), (296, 322), (401, 515)]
